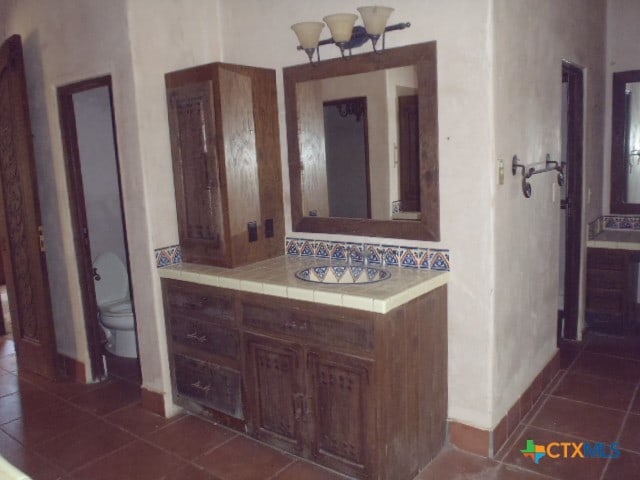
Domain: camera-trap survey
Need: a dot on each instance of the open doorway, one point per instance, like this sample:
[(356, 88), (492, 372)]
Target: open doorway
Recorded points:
[(93, 175), (347, 150), (571, 203)]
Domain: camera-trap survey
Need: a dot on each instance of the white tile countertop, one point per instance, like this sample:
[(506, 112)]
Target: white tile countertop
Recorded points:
[(277, 277), (616, 239)]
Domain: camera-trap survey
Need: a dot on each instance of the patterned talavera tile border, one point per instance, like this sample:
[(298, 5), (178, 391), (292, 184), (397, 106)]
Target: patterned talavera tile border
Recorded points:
[(376, 254), (168, 256), (613, 222)]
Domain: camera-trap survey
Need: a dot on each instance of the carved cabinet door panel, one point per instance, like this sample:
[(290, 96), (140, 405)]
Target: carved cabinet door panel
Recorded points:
[(196, 170), (20, 227), (339, 394), (274, 391)]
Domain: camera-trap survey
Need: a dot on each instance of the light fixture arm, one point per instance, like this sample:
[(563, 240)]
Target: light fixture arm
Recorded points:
[(359, 37)]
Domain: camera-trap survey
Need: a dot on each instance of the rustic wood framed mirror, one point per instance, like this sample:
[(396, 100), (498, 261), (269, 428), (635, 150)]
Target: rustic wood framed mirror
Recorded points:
[(625, 143), (388, 168)]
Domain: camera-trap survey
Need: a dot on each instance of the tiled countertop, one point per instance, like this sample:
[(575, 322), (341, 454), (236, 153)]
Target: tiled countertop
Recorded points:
[(616, 239), (277, 277)]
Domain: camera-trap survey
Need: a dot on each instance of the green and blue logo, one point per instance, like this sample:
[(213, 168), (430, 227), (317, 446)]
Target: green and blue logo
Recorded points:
[(569, 450)]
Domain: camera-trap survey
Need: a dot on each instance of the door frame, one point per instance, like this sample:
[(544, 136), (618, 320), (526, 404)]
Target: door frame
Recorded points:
[(574, 77), (79, 224)]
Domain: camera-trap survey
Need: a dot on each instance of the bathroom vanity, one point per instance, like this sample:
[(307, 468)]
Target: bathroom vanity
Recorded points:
[(353, 377), (612, 281)]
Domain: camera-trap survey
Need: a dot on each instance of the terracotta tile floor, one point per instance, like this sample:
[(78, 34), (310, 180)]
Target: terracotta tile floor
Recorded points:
[(68, 431)]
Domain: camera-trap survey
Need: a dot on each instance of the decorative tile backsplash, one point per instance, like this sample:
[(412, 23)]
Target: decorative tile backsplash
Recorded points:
[(618, 222), (375, 254), (168, 256), (613, 222)]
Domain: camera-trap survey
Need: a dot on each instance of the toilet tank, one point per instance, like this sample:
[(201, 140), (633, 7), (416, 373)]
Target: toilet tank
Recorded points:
[(114, 280)]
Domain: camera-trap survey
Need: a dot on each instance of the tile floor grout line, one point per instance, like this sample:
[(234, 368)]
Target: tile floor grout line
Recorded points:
[(275, 475), (588, 404), (93, 460), (621, 429)]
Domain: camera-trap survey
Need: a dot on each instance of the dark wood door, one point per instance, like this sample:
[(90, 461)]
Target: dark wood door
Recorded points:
[(339, 397), (275, 391), (572, 205), (409, 152), (20, 227)]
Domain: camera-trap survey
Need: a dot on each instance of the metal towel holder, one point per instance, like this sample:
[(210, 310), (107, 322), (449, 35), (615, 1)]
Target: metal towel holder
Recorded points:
[(527, 173)]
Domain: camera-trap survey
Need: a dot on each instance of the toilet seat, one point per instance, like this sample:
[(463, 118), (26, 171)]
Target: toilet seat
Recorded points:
[(120, 308)]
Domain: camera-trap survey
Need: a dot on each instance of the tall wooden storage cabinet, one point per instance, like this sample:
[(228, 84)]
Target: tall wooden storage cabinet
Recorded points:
[(223, 121)]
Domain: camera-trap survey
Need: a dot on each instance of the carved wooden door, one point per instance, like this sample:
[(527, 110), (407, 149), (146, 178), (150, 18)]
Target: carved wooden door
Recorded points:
[(274, 373), (338, 391), (196, 171), (20, 228)]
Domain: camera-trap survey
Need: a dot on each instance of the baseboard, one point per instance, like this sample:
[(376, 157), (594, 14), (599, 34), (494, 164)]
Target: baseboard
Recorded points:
[(153, 401), (72, 368), (488, 443)]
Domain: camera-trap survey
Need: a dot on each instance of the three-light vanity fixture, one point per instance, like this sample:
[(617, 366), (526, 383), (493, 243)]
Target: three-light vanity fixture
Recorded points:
[(344, 33)]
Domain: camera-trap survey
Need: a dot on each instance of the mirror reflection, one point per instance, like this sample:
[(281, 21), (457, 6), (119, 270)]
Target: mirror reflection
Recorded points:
[(358, 137), (632, 141)]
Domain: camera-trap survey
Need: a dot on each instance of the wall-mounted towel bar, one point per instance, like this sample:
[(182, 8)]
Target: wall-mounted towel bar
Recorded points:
[(527, 173)]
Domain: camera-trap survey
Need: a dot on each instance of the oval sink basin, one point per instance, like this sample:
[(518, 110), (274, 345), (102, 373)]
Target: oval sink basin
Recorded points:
[(343, 274)]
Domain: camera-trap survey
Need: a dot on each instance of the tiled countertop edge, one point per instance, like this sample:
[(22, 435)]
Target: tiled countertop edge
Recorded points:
[(613, 245), (324, 295)]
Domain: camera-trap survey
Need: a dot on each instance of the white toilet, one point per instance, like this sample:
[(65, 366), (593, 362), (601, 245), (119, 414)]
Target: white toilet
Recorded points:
[(112, 293)]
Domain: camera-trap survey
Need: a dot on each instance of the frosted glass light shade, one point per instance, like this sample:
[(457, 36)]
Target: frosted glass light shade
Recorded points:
[(308, 33), (341, 26), (375, 18)]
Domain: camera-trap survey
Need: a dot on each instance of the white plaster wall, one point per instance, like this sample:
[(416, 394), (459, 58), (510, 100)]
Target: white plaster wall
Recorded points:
[(623, 53), (65, 44), (531, 40), (462, 30)]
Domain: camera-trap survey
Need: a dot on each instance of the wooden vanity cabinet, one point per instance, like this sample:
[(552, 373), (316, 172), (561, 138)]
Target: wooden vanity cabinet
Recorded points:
[(223, 123), (307, 396), (204, 345), (359, 392), (611, 290)]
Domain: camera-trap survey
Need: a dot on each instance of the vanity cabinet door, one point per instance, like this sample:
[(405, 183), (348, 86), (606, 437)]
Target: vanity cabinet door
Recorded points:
[(339, 394), (196, 170), (274, 391)]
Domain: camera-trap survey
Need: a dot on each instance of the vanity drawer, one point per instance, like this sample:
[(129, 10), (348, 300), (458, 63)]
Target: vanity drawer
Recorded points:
[(198, 301), (205, 336), (217, 387), (609, 301), (330, 329), (608, 279), (606, 259)]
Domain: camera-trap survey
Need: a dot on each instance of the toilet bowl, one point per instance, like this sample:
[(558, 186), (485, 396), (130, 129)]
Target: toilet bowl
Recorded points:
[(116, 316)]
